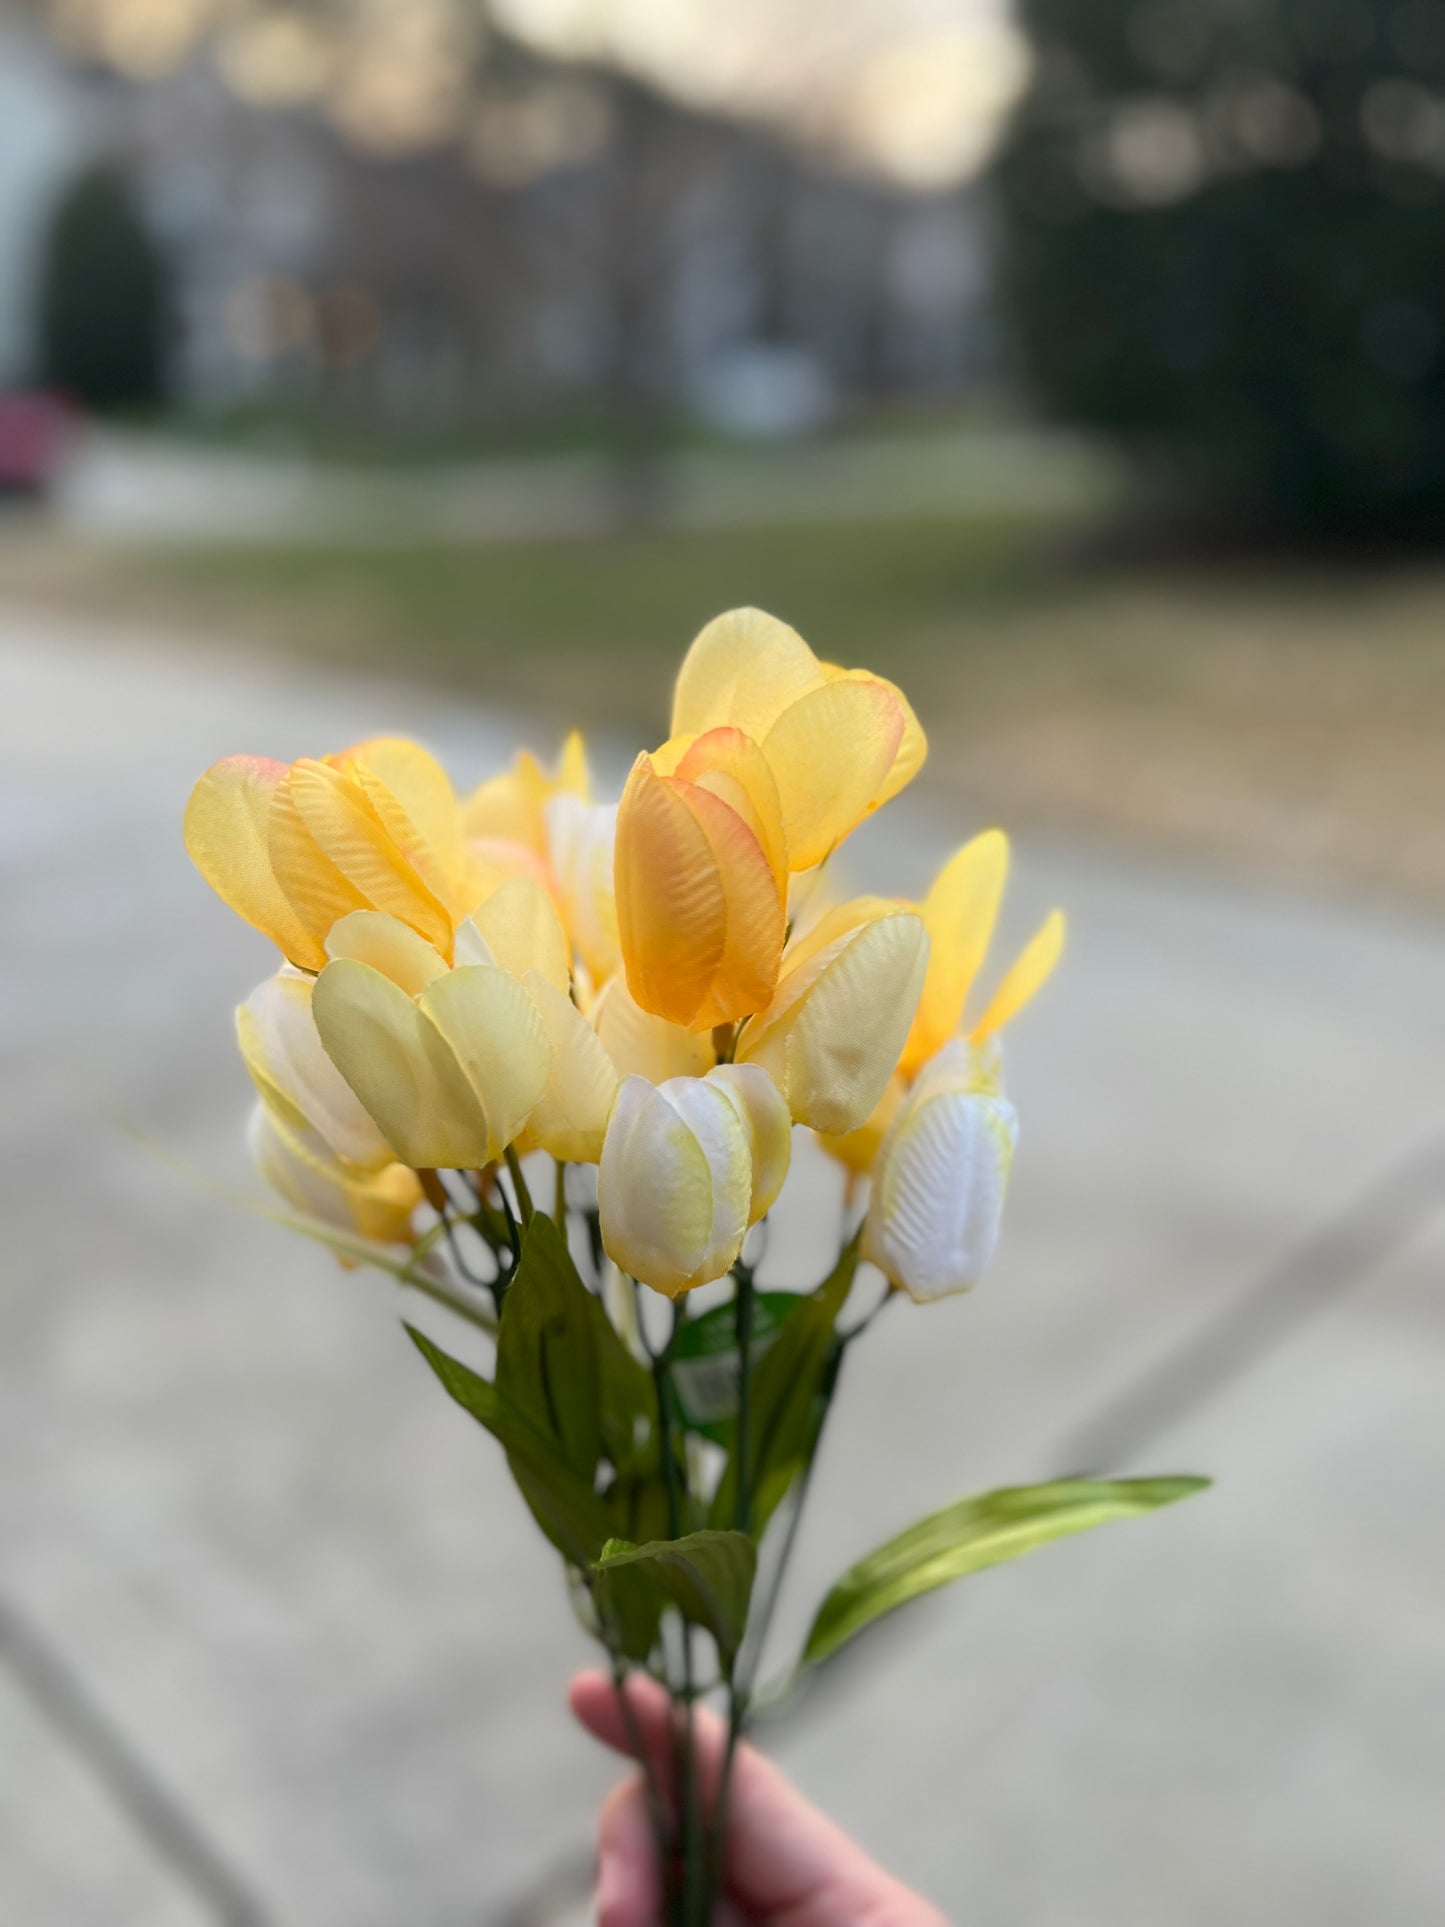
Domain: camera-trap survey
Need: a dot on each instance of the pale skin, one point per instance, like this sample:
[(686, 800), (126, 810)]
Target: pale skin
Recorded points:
[(788, 1865)]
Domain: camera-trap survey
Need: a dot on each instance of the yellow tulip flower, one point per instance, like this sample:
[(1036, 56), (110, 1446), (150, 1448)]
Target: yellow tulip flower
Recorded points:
[(839, 742), (831, 1036), (960, 912), (376, 1204), (456, 1064), (687, 1166), (939, 1184), (701, 880), (293, 849)]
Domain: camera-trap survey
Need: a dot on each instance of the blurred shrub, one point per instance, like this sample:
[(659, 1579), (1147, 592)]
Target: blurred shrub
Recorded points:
[(1224, 242), (103, 298)]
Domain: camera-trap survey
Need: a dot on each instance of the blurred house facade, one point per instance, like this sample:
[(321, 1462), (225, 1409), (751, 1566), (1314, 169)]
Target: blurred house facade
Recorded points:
[(46, 135), (585, 240)]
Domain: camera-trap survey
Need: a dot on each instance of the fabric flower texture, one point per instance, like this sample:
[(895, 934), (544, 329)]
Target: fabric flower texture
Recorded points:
[(544, 1057)]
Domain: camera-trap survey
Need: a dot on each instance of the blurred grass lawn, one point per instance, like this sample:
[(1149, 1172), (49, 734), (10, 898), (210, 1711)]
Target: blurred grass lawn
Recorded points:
[(1286, 716)]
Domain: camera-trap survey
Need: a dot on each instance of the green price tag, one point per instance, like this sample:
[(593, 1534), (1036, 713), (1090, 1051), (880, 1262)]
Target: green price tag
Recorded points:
[(705, 1360)]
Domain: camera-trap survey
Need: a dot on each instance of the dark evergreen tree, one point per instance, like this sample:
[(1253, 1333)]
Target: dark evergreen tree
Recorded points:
[(104, 317), (1224, 243)]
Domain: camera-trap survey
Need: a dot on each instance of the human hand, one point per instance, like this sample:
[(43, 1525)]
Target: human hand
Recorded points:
[(787, 1865)]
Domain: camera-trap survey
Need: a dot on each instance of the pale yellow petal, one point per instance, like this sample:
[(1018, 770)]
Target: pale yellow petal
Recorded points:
[(283, 1052), (402, 1068), (579, 840), (317, 891), (413, 796), (960, 912), (570, 1117), (912, 752), (832, 1037), (497, 1036), (573, 777), (765, 1117), (643, 1045), (227, 830), (346, 827), (378, 1205), (858, 1150), (388, 945), (654, 1191), (1027, 975), (744, 668), (831, 752), (521, 929)]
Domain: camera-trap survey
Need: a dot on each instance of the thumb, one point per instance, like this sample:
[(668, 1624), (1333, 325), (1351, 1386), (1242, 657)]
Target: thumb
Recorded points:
[(629, 1888)]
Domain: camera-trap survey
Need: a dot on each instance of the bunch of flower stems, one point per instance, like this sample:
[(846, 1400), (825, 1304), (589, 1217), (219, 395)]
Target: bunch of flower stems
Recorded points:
[(689, 1831)]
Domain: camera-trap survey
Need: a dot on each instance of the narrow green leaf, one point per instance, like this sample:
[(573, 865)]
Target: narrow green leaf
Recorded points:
[(564, 1504), (784, 1393), (977, 1532), (547, 1365), (708, 1576)]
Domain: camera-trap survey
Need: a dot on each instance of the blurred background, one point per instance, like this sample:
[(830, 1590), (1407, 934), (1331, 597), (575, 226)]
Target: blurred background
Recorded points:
[(443, 365)]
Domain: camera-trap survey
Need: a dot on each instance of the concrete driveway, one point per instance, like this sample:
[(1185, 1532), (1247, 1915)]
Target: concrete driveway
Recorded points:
[(280, 1644)]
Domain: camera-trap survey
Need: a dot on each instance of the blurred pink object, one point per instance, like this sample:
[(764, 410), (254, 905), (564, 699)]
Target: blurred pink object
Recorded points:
[(34, 429)]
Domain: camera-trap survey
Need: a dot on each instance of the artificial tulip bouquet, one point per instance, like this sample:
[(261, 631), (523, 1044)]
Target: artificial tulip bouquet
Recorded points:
[(542, 1058)]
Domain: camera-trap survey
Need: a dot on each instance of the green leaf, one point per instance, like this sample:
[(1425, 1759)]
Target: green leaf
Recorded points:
[(565, 1506), (782, 1408), (547, 1365), (708, 1576), (978, 1532)]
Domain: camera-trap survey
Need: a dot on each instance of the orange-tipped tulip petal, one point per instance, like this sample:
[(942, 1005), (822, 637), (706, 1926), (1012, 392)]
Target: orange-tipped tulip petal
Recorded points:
[(700, 914)]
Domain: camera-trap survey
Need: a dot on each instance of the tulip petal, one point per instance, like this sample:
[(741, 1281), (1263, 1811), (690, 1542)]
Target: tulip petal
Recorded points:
[(699, 911), (654, 1191), (831, 752), (388, 945), (912, 752), (730, 765), (378, 1206), (227, 829), (317, 891), (642, 1045), (857, 1151), (960, 912), (401, 1067), (342, 819), (570, 1117), (580, 838), (283, 1052), (832, 1036), (938, 1193), (743, 668), (716, 1122), (520, 927), (1025, 977), (497, 1036), (413, 796), (769, 1126)]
